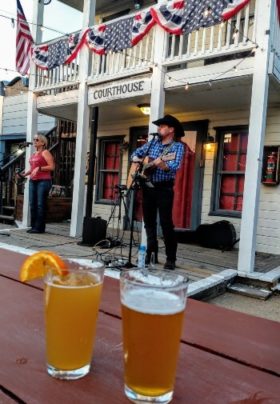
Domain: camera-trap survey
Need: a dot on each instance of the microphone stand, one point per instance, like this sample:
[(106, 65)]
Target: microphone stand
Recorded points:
[(136, 184)]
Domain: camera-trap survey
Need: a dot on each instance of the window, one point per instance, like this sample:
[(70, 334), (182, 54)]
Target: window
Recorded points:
[(230, 172), (109, 169)]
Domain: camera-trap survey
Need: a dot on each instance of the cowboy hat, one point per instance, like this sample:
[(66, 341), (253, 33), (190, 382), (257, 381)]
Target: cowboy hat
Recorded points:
[(172, 122)]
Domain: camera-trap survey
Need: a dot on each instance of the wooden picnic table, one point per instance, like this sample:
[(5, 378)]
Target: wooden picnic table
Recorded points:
[(225, 356)]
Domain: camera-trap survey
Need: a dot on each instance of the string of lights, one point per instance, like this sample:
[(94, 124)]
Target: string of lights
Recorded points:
[(14, 19)]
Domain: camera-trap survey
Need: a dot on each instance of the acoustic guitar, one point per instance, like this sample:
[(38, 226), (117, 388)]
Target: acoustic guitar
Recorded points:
[(143, 169)]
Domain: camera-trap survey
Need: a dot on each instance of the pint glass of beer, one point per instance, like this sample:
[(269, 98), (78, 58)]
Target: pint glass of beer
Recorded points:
[(71, 310), (153, 305)]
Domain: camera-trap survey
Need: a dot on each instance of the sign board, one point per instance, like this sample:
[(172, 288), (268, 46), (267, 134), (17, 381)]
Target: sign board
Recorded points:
[(118, 90)]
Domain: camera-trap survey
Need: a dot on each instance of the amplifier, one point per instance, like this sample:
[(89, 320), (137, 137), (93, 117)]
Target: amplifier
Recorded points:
[(94, 230)]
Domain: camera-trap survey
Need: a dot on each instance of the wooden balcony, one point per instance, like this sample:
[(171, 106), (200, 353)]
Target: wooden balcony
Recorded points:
[(231, 39)]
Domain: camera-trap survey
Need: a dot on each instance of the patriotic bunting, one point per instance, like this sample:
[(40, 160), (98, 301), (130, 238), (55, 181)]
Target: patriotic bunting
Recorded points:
[(57, 53), (75, 42), (142, 24), (233, 7), (202, 13), (61, 52), (170, 16), (118, 35), (176, 17), (95, 39), (40, 56)]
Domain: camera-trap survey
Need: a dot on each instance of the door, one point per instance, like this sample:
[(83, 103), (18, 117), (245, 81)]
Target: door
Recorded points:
[(189, 178)]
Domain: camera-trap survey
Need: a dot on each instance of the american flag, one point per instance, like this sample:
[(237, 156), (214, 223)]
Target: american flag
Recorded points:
[(24, 42)]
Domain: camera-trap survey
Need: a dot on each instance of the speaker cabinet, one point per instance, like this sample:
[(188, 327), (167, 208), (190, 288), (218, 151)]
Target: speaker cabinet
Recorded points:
[(94, 230)]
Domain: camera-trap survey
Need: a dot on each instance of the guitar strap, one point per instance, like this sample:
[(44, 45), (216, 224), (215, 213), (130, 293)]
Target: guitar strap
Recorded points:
[(167, 150)]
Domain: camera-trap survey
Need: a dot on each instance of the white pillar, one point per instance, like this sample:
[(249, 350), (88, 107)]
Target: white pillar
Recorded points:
[(157, 91), (32, 113), (257, 126), (157, 99), (82, 139)]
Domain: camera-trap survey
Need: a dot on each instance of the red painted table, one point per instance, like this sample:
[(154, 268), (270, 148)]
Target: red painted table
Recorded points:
[(225, 356)]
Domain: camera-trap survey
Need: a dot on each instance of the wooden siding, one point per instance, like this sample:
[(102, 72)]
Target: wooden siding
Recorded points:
[(268, 234), (15, 116)]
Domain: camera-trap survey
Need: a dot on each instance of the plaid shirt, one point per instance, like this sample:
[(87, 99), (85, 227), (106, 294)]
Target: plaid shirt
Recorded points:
[(157, 149)]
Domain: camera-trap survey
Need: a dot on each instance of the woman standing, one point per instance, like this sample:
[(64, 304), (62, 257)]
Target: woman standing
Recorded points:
[(41, 166)]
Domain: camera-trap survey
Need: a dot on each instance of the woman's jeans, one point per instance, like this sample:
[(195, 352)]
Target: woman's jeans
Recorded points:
[(38, 195)]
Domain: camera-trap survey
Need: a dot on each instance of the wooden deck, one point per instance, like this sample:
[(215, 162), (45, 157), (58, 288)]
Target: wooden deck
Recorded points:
[(197, 262)]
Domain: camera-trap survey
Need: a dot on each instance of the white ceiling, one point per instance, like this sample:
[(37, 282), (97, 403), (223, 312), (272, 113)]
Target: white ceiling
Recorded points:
[(104, 6)]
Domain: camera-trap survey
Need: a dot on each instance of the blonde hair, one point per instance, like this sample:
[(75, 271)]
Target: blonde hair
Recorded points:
[(43, 139)]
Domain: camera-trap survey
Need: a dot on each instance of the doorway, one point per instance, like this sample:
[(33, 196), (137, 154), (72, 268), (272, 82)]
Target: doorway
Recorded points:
[(189, 179)]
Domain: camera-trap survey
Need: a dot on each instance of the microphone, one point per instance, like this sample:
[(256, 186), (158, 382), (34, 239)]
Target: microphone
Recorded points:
[(24, 144), (154, 134)]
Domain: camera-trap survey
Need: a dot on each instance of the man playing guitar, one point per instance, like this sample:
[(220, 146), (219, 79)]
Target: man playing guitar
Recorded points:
[(165, 154)]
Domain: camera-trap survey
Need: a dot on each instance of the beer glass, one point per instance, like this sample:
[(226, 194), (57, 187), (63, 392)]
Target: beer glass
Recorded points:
[(153, 305), (71, 309)]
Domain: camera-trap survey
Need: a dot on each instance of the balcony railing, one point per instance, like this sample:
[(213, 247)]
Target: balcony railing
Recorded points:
[(130, 61), (234, 36), (61, 78)]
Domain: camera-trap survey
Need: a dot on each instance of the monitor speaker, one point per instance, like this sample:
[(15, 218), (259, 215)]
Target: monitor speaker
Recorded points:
[(94, 230)]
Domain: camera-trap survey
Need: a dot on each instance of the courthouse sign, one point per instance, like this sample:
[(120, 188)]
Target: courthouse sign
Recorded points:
[(118, 90)]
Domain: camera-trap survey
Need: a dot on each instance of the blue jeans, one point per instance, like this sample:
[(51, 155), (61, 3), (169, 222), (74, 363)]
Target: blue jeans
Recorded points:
[(38, 195)]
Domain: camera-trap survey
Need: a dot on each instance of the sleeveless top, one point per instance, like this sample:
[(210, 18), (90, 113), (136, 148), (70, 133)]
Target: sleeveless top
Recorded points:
[(37, 160)]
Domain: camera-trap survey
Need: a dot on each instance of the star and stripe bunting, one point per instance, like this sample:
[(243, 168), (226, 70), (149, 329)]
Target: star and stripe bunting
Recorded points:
[(203, 13), (233, 7), (142, 24), (95, 39), (176, 17), (60, 52), (24, 42), (75, 42), (181, 17), (170, 16)]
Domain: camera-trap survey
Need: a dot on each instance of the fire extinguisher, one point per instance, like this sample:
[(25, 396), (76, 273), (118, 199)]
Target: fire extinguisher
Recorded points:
[(271, 168)]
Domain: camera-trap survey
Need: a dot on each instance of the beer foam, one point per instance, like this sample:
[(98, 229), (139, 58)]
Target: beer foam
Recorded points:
[(163, 280), (74, 280), (153, 301)]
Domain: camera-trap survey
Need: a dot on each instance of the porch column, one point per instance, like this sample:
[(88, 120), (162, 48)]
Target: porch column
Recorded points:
[(157, 100), (32, 113), (257, 127), (82, 138)]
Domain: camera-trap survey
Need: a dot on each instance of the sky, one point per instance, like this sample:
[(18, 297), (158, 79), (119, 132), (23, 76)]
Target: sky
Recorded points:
[(56, 15)]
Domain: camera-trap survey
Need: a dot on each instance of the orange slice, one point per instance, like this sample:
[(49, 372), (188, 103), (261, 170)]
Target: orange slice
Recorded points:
[(37, 265)]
